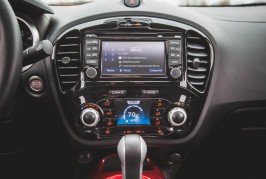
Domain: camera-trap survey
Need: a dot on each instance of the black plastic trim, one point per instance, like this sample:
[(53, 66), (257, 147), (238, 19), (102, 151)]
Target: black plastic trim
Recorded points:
[(113, 142)]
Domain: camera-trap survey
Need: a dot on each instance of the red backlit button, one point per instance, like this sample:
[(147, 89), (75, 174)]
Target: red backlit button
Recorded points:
[(107, 131), (106, 104), (157, 122), (159, 131), (158, 104), (109, 122), (129, 131), (157, 112), (138, 132), (110, 113)]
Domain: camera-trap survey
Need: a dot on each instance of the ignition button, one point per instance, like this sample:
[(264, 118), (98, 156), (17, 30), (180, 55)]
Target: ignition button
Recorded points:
[(36, 83)]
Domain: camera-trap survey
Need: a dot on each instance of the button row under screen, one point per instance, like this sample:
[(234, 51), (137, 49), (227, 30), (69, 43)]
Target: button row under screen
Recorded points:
[(112, 122)]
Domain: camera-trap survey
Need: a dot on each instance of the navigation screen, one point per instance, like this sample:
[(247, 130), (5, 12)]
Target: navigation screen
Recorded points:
[(133, 112), (133, 58)]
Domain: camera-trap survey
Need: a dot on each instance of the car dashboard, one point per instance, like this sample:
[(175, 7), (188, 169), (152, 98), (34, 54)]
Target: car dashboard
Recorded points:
[(170, 74)]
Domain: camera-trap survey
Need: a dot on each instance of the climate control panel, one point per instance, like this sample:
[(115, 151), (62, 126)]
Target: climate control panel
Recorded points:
[(114, 117)]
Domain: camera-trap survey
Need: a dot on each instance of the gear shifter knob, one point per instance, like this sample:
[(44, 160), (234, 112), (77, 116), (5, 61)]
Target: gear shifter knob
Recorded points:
[(132, 151)]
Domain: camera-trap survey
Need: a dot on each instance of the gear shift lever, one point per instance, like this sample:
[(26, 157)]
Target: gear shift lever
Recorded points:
[(132, 151)]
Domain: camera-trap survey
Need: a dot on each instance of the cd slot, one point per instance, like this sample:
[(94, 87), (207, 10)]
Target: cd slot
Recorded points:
[(127, 36)]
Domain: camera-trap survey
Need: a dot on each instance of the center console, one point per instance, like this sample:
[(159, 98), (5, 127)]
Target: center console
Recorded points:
[(125, 75)]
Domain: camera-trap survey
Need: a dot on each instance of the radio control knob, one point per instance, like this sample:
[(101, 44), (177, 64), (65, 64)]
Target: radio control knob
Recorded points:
[(177, 116), (175, 73), (91, 72), (90, 117)]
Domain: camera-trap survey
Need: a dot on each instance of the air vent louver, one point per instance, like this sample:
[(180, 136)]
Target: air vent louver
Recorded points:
[(198, 60), (67, 57)]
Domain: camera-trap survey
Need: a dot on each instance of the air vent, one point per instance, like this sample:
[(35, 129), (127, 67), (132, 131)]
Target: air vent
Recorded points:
[(67, 57), (198, 60)]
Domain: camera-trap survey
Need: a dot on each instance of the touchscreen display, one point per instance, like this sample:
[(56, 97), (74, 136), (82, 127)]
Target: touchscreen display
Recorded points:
[(133, 112), (133, 58)]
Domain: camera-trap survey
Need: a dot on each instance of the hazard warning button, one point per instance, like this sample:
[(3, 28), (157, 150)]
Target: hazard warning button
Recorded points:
[(132, 3)]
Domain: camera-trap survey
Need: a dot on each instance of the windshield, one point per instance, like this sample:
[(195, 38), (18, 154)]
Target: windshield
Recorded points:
[(173, 2)]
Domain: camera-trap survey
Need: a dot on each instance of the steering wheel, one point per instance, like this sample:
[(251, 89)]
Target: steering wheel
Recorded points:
[(10, 56)]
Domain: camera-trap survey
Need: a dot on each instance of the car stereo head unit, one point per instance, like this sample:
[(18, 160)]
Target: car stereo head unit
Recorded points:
[(149, 55)]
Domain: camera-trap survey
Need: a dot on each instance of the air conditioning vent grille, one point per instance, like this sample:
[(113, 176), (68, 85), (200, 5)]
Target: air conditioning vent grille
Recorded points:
[(198, 53), (67, 57)]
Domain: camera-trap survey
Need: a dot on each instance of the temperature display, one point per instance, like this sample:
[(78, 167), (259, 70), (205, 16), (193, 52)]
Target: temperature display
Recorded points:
[(133, 112)]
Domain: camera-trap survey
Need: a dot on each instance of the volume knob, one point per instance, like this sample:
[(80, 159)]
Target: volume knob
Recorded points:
[(90, 117), (91, 72), (175, 73), (177, 116)]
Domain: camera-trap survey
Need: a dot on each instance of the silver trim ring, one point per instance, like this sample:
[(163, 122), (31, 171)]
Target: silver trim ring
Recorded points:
[(170, 117), (95, 112)]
